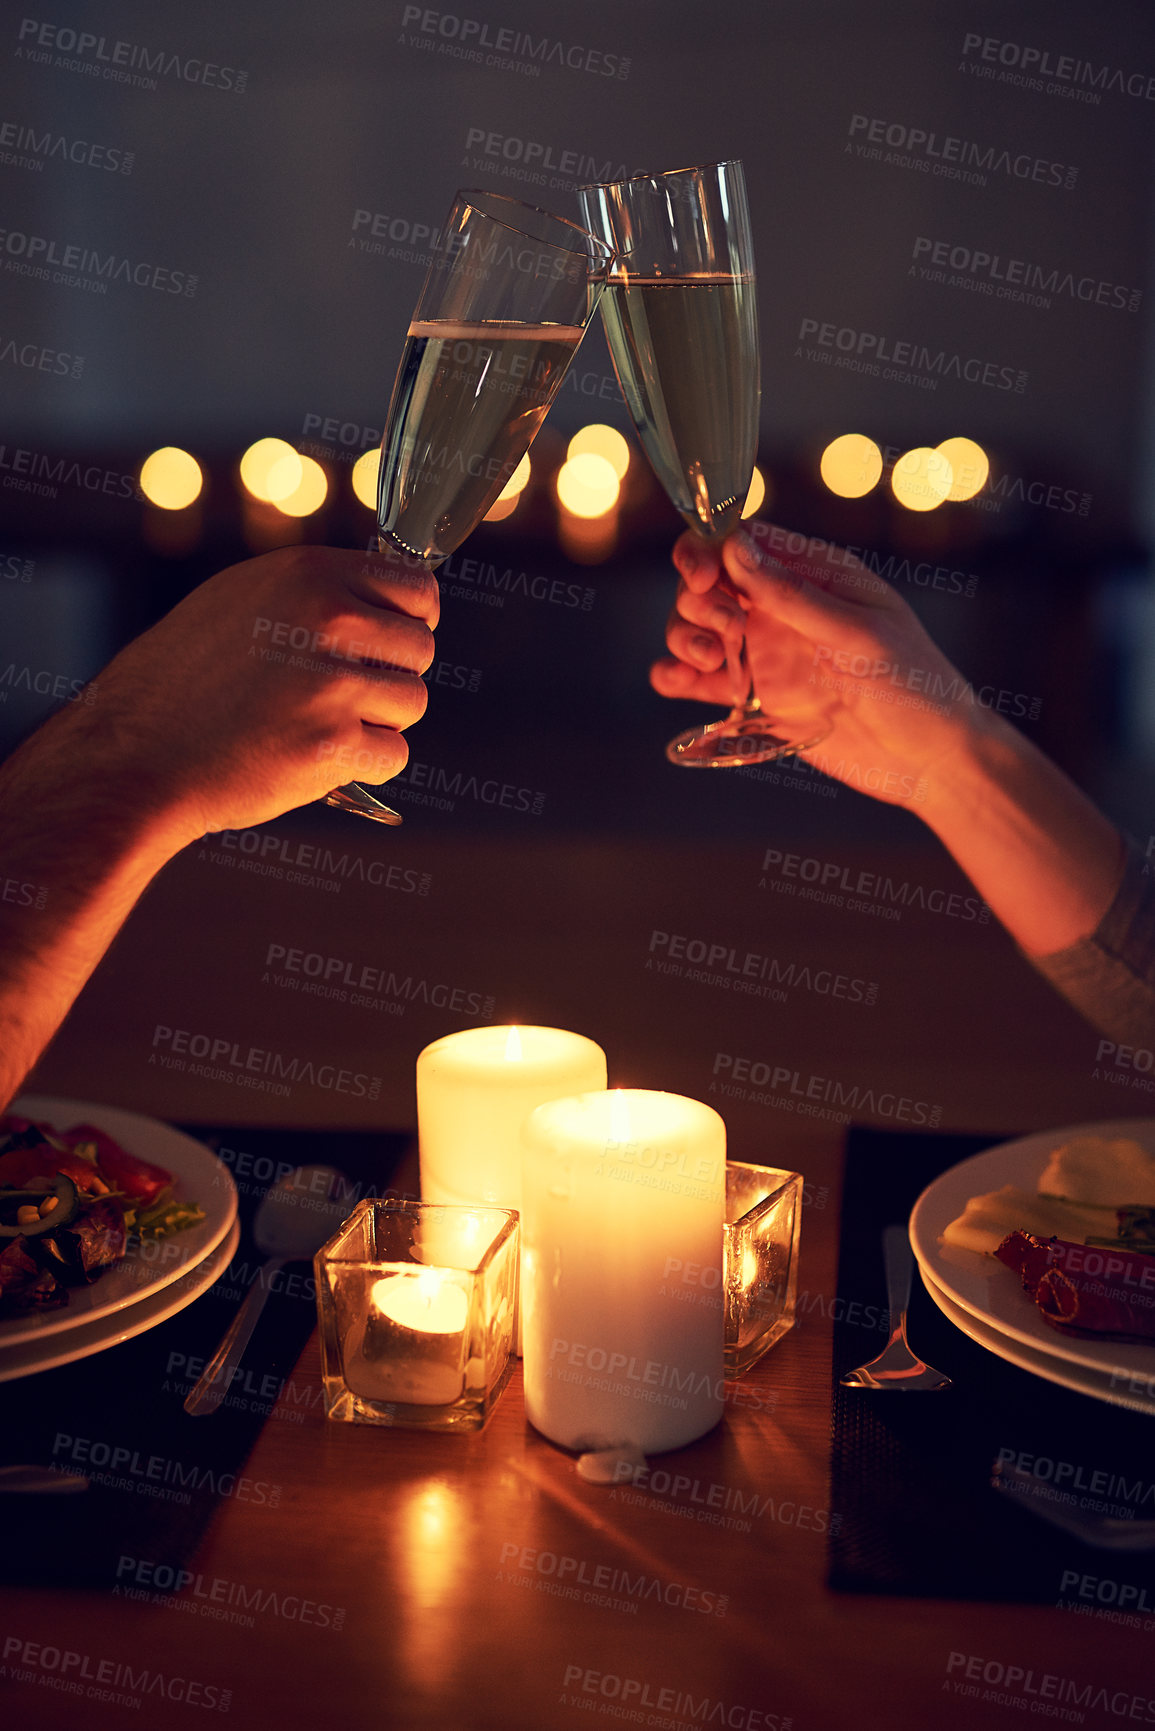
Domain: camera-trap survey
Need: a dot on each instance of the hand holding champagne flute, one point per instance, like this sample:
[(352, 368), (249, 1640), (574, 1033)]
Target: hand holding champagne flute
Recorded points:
[(504, 307), (682, 324)]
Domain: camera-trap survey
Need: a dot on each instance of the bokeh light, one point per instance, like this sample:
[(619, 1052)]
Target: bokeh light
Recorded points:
[(171, 478), (366, 470), (269, 457), (970, 465), (851, 465), (506, 502), (922, 479), (310, 492), (587, 485), (756, 495), (605, 442)]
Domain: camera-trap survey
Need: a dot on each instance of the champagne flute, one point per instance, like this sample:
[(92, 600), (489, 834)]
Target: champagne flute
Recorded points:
[(507, 300), (682, 324)]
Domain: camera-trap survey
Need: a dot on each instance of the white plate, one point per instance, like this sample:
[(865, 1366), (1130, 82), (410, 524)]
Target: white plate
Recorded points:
[(199, 1177), (26, 1358), (985, 1288), (1096, 1383)]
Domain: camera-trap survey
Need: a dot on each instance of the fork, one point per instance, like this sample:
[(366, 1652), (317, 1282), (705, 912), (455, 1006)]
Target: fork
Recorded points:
[(896, 1367), (1104, 1532)]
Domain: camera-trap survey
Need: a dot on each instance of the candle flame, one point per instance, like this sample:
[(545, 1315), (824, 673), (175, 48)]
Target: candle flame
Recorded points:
[(428, 1285), (619, 1116), (513, 1046)]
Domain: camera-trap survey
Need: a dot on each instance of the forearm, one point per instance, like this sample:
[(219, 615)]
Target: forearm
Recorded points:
[(79, 841), (1043, 857)]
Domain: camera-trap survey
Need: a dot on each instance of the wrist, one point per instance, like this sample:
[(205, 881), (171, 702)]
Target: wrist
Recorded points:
[(985, 757)]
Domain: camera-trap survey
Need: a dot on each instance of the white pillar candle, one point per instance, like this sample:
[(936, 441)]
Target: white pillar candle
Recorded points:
[(623, 1200), (475, 1089), (409, 1348)]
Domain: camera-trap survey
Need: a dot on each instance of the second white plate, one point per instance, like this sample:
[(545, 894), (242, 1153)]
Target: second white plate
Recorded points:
[(990, 1292)]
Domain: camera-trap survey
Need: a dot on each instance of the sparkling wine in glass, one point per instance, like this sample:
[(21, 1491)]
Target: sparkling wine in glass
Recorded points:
[(682, 325), (507, 300)]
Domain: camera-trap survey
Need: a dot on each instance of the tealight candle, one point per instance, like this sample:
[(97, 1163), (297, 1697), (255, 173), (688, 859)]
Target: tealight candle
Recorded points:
[(409, 1345), (623, 1201)]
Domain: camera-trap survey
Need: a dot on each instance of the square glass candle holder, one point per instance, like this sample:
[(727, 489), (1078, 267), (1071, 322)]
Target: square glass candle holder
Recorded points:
[(760, 1260), (417, 1306)]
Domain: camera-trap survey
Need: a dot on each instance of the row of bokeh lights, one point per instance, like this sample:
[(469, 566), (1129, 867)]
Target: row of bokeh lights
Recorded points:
[(588, 484)]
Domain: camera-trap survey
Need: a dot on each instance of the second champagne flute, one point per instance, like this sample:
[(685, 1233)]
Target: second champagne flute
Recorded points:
[(682, 326), (507, 300)]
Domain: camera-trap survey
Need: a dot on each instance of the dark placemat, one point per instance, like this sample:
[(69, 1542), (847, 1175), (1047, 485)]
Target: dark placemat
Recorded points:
[(157, 1475), (911, 1473)]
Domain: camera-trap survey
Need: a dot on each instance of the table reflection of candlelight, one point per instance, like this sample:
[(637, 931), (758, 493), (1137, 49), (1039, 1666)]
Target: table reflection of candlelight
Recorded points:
[(410, 1346)]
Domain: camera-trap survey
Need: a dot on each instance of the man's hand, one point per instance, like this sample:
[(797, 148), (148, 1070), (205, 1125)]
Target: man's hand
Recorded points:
[(270, 684), (828, 644)]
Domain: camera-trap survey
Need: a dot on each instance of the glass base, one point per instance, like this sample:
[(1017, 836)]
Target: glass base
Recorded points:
[(744, 738), (359, 800)]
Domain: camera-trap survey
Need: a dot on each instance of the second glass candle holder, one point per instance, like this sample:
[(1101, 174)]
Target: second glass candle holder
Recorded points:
[(760, 1262)]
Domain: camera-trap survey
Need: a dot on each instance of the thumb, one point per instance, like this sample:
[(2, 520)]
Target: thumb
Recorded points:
[(800, 600)]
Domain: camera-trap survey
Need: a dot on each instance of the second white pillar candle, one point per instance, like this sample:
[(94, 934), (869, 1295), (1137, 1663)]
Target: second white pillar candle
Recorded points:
[(623, 1200)]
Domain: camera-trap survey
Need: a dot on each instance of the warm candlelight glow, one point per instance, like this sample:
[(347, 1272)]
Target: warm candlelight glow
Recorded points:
[(587, 485), (513, 1046), (851, 465), (258, 462), (970, 465), (922, 479), (171, 478), (604, 442), (311, 489), (428, 1303), (757, 494), (619, 1116), (366, 471)]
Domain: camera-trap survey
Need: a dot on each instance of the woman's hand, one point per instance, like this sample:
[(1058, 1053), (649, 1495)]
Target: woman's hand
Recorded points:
[(829, 645)]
